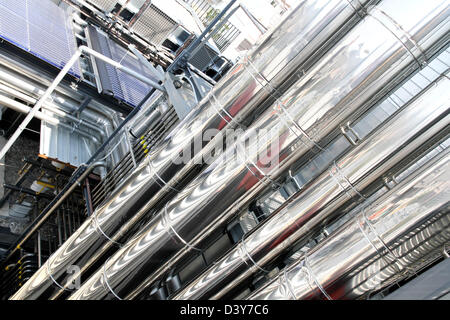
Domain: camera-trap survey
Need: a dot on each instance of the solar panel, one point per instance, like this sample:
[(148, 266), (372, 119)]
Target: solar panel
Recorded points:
[(41, 28), (123, 86)]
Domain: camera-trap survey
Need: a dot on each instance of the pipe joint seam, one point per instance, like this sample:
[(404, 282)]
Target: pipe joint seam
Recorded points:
[(295, 128), (377, 244), (307, 267), (400, 34), (53, 279), (103, 234), (359, 8), (343, 181), (105, 281), (248, 255), (228, 118), (258, 76), (173, 233), (154, 173)]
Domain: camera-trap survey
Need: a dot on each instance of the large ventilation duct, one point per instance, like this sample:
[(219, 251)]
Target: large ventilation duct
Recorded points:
[(234, 99), (399, 233), (307, 211), (334, 89)]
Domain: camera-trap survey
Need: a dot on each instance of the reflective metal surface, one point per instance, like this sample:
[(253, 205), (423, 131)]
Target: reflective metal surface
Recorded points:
[(308, 209), (335, 87), (148, 120), (387, 241), (230, 102)]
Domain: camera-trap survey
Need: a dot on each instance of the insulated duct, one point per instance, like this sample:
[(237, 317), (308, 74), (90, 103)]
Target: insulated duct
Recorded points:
[(344, 181), (402, 231), (231, 102), (328, 94)]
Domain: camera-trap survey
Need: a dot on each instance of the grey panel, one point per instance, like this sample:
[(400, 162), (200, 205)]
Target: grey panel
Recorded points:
[(431, 285), (154, 25)]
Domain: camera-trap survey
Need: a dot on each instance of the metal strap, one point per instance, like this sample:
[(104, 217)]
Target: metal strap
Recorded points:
[(355, 4), (398, 32), (152, 170), (97, 226), (289, 122), (344, 178), (244, 161), (284, 116), (311, 275), (394, 256), (360, 226), (250, 257), (167, 224), (288, 284), (250, 63), (219, 112), (53, 279), (105, 280)]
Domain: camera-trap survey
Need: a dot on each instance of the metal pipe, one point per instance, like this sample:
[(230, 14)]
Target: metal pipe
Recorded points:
[(35, 225), (28, 191), (39, 249), (253, 19), (383, 244), (19, 107), (141, 126), (233, 99), (34, 89), (60, 77), (155, 72), (122, 68), (39, 104), (53, 108), (349, 75), (32, 83), (80, 173), (306, 211), (88, 199)]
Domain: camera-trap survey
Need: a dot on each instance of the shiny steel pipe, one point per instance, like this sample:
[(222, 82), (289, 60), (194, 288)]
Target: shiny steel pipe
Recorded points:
[(53, 108), (30, 90), (335, 87), (20, 107), (234, 98), (148, 119), (306, 212), (402, 231)]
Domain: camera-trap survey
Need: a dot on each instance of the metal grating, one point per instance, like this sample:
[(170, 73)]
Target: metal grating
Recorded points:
[(154, 25), (104, 5), (203, 56), (123, 86), (40, 28)]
